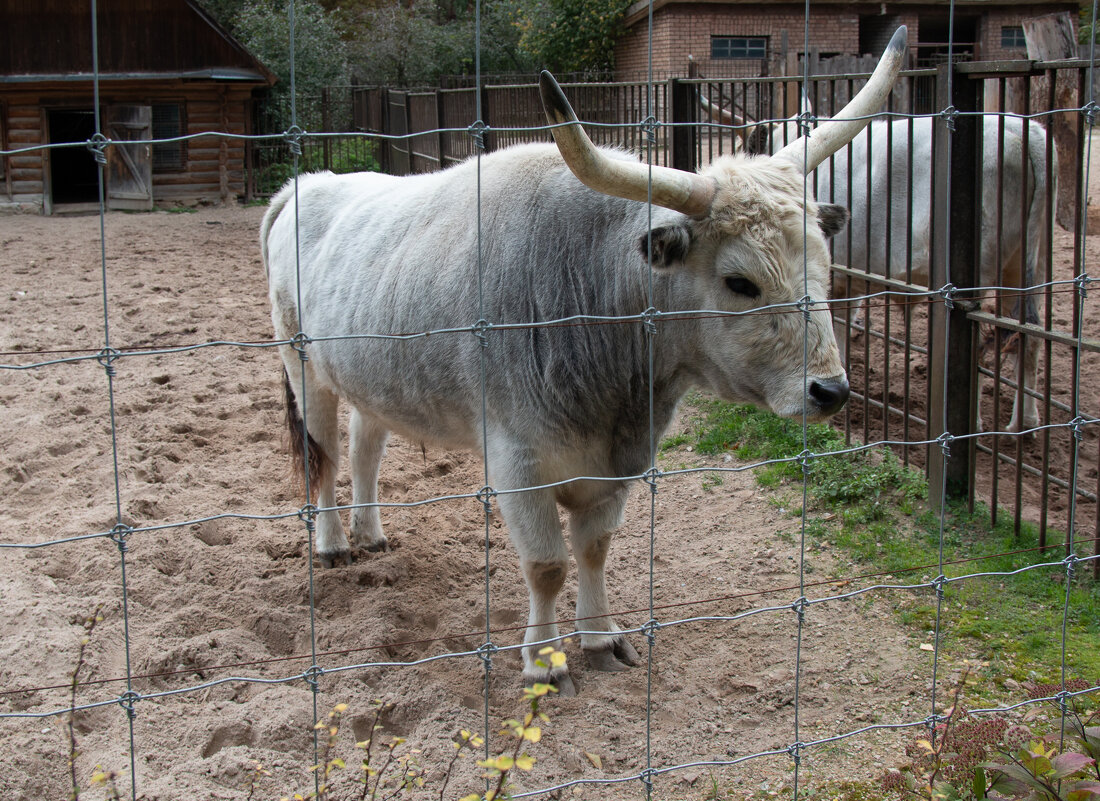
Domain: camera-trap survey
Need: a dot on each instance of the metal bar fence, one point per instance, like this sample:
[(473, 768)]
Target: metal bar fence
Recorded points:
[(1074, 427)]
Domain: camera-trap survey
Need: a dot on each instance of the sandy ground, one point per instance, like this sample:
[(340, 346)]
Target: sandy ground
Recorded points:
[(199, 434)]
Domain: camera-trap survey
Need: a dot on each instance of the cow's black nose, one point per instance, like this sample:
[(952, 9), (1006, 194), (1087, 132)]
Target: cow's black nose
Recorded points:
[(829, 395)]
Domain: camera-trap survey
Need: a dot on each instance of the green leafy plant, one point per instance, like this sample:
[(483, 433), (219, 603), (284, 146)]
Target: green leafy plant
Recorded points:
[(968, 757)]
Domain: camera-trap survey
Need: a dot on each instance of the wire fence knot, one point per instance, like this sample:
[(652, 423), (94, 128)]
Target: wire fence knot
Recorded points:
[(805, 303), (649, 320), (308, 515), (806, 120), (1082, 283), (1070, 562), (950, 116), (127, 701), (107, 358), (312, 677), (299, 342), (650, 477), (650, 629), (938, 584), (1061, 699), (97, 144), (480, 330), (485, 654), (805, 459), (799, 607), (945, 439), (478, 131), (646, 777), (294, 136), (486, 495), (795, 751), (949, 293), (1090, 110), (649, 128), (119, 536)]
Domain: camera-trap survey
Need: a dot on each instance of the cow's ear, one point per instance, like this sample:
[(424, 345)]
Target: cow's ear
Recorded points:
[(832, 219), (670, 244)]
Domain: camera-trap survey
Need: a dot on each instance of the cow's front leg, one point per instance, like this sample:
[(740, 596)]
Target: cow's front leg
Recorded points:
[(368, 444), (606, 647), (535, 531)]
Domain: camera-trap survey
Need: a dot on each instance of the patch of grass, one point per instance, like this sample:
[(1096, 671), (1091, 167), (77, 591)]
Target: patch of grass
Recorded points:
[(878, 517)]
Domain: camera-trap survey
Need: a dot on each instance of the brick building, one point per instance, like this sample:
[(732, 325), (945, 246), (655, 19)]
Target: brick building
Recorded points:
[(743, 38)]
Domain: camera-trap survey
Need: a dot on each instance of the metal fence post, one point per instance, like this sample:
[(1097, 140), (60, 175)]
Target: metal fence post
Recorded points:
[(683, 136), (957, 152)]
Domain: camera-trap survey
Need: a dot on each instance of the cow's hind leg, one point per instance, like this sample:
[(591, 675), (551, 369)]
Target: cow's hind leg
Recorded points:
[(368, 444), (321, 450), (590, 531), (535, 531)]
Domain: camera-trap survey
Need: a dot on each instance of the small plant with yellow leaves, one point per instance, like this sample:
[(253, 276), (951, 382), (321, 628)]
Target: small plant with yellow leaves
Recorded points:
[(526, 731)]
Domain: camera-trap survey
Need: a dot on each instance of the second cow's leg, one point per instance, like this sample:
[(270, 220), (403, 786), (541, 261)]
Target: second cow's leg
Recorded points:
[(368, 444), (590, 532)]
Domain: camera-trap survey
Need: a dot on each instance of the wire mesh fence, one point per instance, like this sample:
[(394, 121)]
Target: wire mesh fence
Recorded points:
[(658, 618)]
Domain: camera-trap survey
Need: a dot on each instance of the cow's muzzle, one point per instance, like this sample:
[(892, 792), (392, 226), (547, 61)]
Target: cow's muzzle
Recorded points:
[(830, 395)]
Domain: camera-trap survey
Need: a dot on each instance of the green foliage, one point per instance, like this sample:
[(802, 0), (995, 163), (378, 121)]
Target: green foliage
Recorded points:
[(870, 481), (970, 757), (414, 44), (354, 155), (875, 514), (320, 55), (572, 35)]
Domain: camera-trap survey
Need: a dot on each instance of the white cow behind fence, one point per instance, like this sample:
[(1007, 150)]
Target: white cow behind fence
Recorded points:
[(565, 232)]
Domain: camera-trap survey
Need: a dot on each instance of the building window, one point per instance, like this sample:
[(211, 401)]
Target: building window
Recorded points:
[(739, 47), (1012, 37), (168, 124)]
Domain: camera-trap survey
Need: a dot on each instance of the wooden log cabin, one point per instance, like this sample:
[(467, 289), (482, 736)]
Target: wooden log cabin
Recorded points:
[(166, 69)]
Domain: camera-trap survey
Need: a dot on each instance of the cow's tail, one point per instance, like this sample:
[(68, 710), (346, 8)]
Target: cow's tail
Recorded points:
[(304, 449)]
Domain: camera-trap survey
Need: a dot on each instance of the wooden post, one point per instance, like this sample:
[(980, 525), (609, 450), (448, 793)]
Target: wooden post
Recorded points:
[(1050, 38), (440, 114), (955, 249), (684, 137)]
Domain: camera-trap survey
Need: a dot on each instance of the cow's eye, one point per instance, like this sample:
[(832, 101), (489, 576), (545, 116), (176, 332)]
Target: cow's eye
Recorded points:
[(742, 286)]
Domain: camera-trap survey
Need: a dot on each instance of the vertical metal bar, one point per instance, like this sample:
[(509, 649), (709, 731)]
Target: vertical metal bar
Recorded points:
[(954, 261), (1024, 300), (998, 302), (1048, 311)]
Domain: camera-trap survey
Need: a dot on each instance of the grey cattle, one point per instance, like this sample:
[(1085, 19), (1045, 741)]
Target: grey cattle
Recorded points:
[(565, 231)]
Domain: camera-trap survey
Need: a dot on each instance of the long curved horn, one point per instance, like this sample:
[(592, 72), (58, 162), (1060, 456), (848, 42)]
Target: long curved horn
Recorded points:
[(831, 136), (681, 191), (719, 114)]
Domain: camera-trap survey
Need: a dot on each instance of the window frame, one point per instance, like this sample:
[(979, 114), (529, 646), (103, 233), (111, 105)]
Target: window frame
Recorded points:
[(175, 153), (738, 48)]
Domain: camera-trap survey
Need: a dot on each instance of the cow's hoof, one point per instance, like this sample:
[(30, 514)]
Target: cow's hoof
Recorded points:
[(620, 656), (379, 545), (564, 683), (330, 560)]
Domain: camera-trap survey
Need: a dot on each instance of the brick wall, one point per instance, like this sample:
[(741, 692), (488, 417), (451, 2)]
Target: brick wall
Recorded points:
[(685, 29)]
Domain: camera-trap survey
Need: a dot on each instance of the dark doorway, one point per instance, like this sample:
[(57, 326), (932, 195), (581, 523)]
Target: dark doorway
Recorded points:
[(74, 177), (935, 30)]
